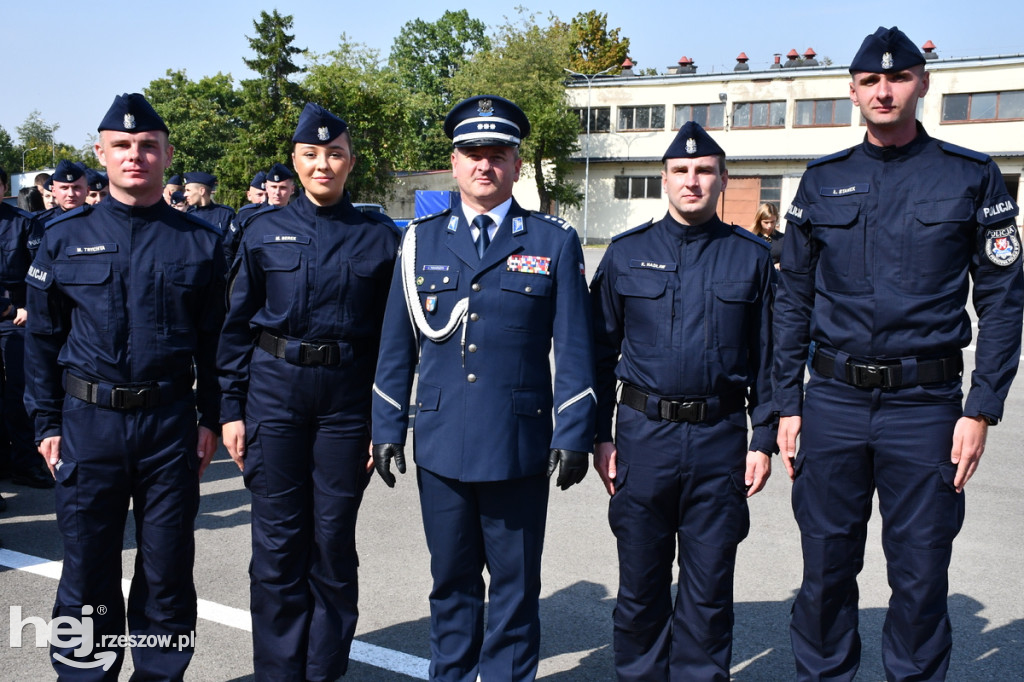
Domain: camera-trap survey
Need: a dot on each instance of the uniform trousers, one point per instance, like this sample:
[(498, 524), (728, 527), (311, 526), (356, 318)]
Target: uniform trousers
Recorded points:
[(111, 458), (500, 525), (854, 442), (679, 493), (19, 429), (307, 446)]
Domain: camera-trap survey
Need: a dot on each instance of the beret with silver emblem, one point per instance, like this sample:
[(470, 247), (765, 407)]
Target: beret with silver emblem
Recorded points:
[(887, 50), (279, 173), (177, 197), (317, 126), (96, 180), (132, 113), (258, 180), (692, 142), (67, 171), (201, 177), (485, 121), (174, 180)]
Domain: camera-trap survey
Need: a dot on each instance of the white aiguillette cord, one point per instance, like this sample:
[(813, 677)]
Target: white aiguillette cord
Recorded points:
[(412, 301)]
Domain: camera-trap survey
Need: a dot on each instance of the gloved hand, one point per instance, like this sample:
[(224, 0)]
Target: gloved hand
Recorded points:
[(382, 455), (572, 466)]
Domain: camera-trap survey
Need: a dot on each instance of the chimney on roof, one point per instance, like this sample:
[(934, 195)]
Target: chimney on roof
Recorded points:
[(686, 65), (929, 50), (809, 57), (627, 68), (777, 64), (741, 62), (792, 59)]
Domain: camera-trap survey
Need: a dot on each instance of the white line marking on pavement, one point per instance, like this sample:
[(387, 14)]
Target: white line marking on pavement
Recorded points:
[(370, 654)]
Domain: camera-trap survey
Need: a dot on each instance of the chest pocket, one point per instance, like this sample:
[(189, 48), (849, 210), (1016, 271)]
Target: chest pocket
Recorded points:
[(839, 228), (733, 309), (938, 246), (526, 301), (281, 267), (647, 308), (90, 285), (437, 291), (179, 287)]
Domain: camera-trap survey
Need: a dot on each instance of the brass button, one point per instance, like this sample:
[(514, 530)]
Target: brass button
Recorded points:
[(471, 378), (476, 286), (529, 289), (472, 348), (473, 317)]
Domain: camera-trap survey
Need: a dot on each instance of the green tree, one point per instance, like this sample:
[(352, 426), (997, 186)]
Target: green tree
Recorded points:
[(10, 156), (37, 136), (525, 66), (350, 83), (593, 47), (425, 57)]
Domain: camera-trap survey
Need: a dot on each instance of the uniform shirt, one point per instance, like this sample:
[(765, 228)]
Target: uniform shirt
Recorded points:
[(685, 312), (215, 214), (484, 401), (123, 294), (879, 247), (233, 235), (20, 233), (305, 272)]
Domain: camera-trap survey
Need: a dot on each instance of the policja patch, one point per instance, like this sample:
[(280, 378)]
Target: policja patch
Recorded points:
[(1002, 246)]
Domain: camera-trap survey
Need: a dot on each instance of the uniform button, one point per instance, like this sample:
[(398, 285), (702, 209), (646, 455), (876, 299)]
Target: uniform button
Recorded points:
[(471, 378), (419, 404), (473, 317), (476, 286), (529, 289), (446, 280), (472, 348), (540, 411), (433, 286)]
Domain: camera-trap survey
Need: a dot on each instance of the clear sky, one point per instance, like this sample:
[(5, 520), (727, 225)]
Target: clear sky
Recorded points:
[(69, 59)]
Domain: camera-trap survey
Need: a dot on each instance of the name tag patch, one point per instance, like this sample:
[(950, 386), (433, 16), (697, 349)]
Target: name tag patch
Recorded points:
[(652, 265), (535, 265), (857, 188), (435, 268), (285, 239), (90, 249)]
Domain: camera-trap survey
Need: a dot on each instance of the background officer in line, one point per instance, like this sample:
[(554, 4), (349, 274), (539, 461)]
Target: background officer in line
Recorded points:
[(125, 298), (682, 317), (199, 195), (297, 357), (488, 285), (173, 185), (257, 196), (97, 185), (884, 240), (19, 239), (69, 189), (280, 185)]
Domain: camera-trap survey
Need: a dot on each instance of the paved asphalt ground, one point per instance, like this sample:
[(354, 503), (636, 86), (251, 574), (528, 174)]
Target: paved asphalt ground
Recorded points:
[(986, 579)]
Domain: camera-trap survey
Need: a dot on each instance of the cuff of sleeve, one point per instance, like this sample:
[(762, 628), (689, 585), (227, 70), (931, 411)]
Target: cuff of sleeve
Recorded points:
[(231, 410), (765, 439), (978, 406)]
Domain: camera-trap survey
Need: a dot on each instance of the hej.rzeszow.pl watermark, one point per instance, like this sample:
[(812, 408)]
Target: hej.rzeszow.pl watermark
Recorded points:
[(78, 634)]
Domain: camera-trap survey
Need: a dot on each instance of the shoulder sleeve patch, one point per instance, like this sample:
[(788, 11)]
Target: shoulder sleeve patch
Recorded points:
[(831, 157), (957, 150), (634, 230)]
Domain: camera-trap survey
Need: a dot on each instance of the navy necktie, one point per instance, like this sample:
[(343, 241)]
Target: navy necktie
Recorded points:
[(482, 223)]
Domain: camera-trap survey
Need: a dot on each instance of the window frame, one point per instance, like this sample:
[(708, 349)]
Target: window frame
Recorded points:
[(835, 101), (970, 103), (754, 103), (634, 108)]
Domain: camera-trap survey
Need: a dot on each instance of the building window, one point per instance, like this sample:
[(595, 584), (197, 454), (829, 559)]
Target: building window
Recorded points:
[(642, 187), (823, 112), (709, 116), (759, 115), (983, 106), (771, 189), (600, 119), (642, 118)]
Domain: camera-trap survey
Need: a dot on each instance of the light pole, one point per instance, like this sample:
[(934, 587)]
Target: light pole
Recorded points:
[(23, 153), (586, 173)]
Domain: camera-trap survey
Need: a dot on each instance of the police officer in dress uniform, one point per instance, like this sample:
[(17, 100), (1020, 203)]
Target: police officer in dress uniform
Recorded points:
[(19, 238), (125, 298), (883, 243), (682, 317), (488, 285), (199, 195), (69, 189), (297, 356)]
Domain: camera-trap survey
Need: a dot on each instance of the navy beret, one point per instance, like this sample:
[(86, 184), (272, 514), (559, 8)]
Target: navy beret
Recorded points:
[(132, 113), (96, 180), (887, 50), (177, 197), (486, 120), (67, 172), (692, 142), (279, 173), (258, 180), (48, 184), (201, 177), (317, 126), (174, 180)]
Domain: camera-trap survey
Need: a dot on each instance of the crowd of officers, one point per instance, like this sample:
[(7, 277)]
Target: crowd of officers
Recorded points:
[(293, 329)]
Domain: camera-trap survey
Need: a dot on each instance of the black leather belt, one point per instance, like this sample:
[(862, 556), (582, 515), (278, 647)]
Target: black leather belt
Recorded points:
[(136, 396), (306, 353), (886, 373), (692, 410)]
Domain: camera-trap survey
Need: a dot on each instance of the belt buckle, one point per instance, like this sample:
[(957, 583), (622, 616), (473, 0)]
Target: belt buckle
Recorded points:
[(870, 376), (132, 397), (692, 411), (318, 353)]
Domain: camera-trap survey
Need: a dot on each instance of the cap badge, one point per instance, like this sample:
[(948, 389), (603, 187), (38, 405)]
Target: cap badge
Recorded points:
[(71, 178), (323, 134), (129, 122), (887, 60), (691, 145), (485, 107)]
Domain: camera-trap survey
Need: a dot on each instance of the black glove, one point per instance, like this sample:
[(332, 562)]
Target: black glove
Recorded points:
[(382, 454), (572, 466)]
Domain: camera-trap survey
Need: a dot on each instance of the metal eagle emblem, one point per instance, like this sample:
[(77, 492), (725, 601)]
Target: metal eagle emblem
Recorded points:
[(323, 134), (887, 60), (485, 107), (129, 122), (691, 145), (71, 178)]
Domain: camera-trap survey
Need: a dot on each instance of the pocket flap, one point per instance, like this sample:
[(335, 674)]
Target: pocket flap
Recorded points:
[(641, 287), (739, 292), (280, 260), (524, 283), (955, 210), (81, 273), (828, 214), (432, 281), (428, 398), (531, 403)]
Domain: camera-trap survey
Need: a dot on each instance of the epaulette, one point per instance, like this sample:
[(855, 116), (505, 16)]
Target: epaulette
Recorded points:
[(84, 209), (251, 215), (747, 234), (417, 221), (831, 157), (957, 150), (383, 219), (634, 230), (195, 220), (561, 222)]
